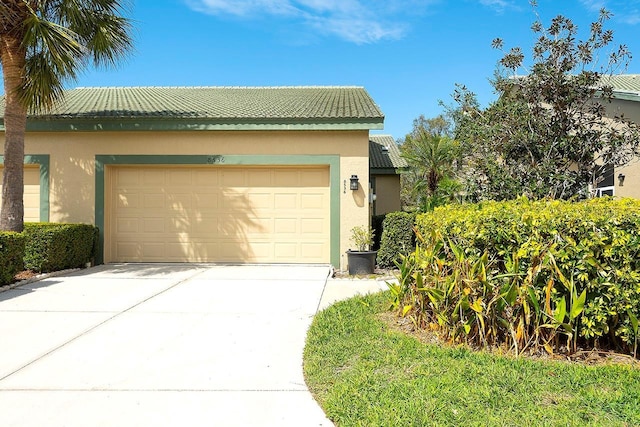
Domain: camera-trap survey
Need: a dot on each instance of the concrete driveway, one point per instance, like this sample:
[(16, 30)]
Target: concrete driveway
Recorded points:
[(162, 345)]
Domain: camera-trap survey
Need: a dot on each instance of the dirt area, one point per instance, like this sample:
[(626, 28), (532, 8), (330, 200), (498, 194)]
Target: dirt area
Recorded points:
[(24, 275), (585, 357)]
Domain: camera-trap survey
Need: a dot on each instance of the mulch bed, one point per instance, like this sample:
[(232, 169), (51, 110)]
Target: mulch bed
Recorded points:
[(24, 275), (583, 356)]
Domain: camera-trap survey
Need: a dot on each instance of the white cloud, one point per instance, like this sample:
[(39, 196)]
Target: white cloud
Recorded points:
[(631, 18), (626, 11), (594, 5), (499, 5), (351, 20), (243, 8)]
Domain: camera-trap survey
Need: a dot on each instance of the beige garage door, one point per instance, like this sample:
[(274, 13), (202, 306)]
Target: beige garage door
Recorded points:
[(218, 214), (31, 193)]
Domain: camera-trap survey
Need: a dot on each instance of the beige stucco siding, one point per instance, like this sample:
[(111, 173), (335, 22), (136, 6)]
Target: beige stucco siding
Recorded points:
[(387, 190), (73, 160), (631, 186)]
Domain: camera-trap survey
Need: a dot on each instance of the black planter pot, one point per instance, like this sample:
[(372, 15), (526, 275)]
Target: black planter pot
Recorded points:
[(361, 262)]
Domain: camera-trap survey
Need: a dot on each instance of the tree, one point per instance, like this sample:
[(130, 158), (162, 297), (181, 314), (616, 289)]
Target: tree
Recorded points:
[(548, 134), (43, 44), (431, 154)]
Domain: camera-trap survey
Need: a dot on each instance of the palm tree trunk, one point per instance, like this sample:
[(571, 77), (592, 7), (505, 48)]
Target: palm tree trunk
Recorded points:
[(13, 56)]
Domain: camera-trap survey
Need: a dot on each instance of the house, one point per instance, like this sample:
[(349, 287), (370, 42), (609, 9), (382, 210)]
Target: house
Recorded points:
[(625, 181), (385, 165), (205, 174)]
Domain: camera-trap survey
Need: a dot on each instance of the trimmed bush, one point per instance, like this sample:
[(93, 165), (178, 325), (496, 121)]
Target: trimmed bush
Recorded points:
[(11, 255), (376, 226), (530, 274), (53, 247), (398, 238)]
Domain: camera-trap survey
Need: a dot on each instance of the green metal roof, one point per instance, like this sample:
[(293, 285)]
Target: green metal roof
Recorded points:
[(625, 82), (384, 155), (171, 108), (625, 86)]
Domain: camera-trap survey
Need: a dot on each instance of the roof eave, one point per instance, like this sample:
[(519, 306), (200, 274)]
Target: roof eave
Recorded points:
[(155, 124), (386, 171), (627, 96), (621, 94)]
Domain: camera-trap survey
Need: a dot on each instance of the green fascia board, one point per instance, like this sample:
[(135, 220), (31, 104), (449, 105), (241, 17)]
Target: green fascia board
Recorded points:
[(150, 124), (623, 95), (627, 96), (385, 171), (42, 160), (333, 161)]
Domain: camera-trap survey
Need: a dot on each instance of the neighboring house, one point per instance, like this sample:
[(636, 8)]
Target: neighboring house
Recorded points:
[(385, 165), (205, 174), (625, 181)]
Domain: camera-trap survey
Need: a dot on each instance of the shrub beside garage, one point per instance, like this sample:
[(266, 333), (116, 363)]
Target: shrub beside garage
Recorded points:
[(398, 238), (11, 255), (53, 247)]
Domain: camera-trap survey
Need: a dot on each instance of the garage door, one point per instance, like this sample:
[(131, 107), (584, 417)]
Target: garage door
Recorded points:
[(218, 214), (31, 193)]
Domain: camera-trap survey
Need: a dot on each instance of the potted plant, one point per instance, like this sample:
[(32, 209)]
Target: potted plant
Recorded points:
[(362, 260)]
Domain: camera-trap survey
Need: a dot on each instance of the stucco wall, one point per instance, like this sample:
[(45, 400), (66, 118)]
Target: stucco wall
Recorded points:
[(387, 190), (72, 162), (631, 186)]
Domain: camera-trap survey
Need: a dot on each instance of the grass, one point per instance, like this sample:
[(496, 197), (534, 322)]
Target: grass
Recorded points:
[(365, 374)]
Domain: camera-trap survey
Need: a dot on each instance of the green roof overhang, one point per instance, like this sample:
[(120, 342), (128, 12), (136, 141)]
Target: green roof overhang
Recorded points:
[(387, 171), (627, 96), (195, 124), (620, 94)]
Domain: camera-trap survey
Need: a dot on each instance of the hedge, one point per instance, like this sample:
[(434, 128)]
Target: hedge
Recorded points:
[(53, 247), (530, 274), (398, 238), (11, 255)]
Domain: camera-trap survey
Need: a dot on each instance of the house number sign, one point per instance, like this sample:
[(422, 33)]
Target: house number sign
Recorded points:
[(214, 160)]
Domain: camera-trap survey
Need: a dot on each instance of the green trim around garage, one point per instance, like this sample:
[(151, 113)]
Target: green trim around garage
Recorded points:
[(42, 160), (333, 161)]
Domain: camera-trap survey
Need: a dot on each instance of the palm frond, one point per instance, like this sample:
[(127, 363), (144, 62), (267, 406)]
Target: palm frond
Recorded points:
[(61, 37), (53, 56), (42, 92)]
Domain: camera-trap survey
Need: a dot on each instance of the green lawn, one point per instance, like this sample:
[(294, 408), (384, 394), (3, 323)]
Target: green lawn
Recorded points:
[(364, 374)]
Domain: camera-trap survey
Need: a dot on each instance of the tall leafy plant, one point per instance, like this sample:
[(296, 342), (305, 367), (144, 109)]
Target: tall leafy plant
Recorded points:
[(432, 155), (548, 134), (530, 275), (43, 44)]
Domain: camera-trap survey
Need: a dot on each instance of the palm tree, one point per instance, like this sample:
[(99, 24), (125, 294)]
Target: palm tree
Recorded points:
[(431, 158), (43, 44)]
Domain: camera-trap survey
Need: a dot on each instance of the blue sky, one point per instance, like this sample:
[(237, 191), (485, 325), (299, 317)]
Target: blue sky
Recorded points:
[(407, 53)]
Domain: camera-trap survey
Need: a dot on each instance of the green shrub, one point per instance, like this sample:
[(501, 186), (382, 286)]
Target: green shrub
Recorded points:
[(11, 255), (376, 226), (533, 274), (398, 238), (53, 247)]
